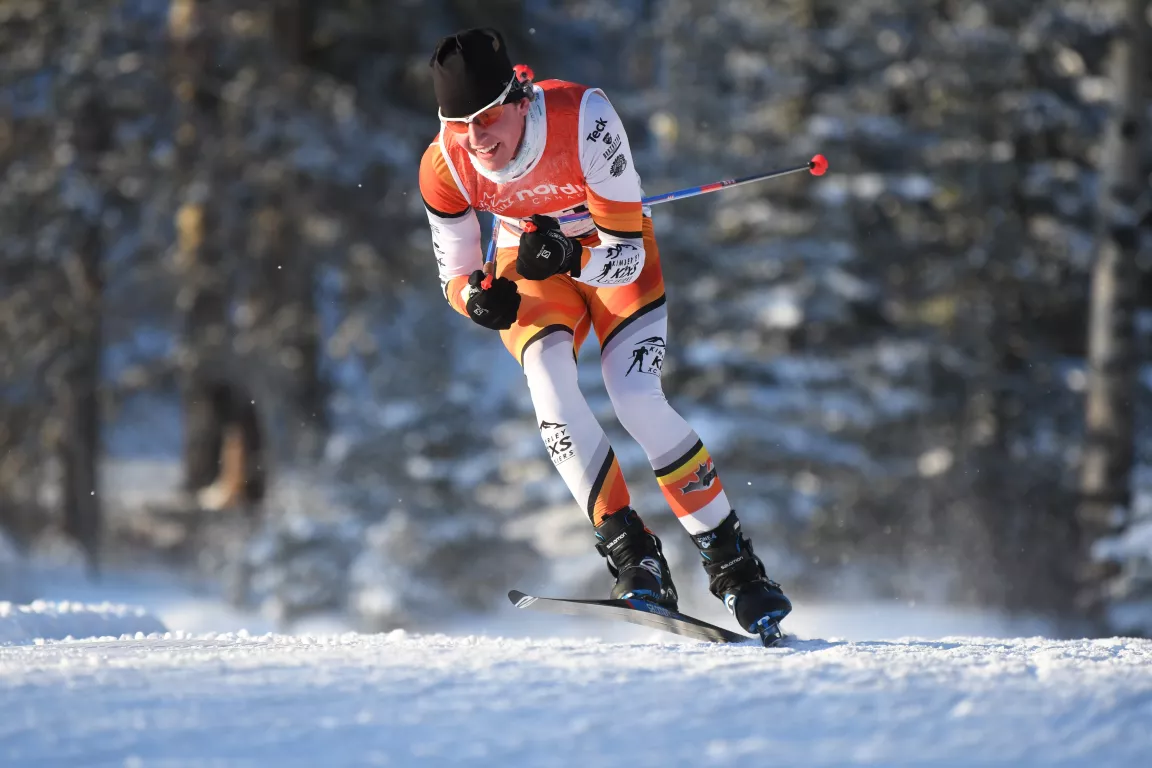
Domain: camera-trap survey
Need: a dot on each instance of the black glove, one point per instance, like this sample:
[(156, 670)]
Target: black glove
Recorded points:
[(494, 307), (546, 251)]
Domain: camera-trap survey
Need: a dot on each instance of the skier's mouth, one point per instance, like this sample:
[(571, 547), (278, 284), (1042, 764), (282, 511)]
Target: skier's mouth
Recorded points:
[(486, 151)]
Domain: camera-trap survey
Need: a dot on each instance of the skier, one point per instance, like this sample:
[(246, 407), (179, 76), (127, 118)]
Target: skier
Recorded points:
[(637, 359), (530, 153)]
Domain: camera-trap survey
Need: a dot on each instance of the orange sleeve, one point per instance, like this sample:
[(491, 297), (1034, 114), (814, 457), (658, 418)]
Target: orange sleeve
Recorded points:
[(452, 293), (437, 187), (614, 217), (455, 232)]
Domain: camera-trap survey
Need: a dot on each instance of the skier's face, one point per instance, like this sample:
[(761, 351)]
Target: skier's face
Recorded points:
[(494, 145)]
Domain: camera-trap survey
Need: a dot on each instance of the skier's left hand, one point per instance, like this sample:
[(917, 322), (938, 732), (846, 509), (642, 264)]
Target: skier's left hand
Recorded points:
[(546, 251)]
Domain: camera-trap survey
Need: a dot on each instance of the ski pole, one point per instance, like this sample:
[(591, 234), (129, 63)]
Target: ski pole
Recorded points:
[(817, 166), (490, 256)]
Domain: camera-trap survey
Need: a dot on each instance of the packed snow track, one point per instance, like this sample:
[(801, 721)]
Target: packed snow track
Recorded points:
[(400, 699)]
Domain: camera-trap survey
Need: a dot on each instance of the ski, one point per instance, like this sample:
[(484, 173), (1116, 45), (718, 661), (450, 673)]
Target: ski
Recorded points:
[(639, 612)]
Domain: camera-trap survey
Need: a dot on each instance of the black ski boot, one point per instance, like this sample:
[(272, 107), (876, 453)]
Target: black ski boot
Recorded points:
[(736, 576), (636, 560)]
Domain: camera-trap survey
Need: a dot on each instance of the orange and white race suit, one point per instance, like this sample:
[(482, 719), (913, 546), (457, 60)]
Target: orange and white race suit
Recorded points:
[(575, 158)]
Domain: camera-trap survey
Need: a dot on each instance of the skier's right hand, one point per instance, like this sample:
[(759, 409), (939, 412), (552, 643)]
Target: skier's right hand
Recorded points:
[(494, 307)]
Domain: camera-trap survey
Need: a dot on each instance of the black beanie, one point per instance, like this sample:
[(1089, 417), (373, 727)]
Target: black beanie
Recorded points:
[(470, 69)]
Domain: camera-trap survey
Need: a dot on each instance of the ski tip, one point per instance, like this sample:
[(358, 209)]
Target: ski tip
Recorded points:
[(519, 599)]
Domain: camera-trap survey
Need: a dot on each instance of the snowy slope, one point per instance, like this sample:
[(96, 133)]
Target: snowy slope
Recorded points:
[(402, 699), (22, 624)]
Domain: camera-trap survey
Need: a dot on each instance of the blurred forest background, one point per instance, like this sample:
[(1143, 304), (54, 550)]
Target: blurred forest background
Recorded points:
[(223, 347)]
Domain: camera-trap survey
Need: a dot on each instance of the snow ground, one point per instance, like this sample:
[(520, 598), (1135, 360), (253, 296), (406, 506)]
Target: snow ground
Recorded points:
[(527, 689), (182, 606), (176, 602), (23, 624), (400, 699)]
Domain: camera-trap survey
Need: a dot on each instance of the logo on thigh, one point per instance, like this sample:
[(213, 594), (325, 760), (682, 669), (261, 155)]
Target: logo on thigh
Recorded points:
[(647, 356), (558, 441)]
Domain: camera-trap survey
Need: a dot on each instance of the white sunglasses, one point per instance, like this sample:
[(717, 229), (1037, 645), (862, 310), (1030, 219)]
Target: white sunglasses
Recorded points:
[(498, 101)]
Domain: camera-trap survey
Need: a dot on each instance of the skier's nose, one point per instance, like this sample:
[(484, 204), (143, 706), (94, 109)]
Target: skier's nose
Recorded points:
[(478, 136)]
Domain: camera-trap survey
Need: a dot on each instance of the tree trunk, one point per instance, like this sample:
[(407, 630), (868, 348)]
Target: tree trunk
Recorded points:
[(202, 354), (283, 327), (284, 324), (1108, 452), (79, 379), (198, 261), (80, 404), (293, 24)]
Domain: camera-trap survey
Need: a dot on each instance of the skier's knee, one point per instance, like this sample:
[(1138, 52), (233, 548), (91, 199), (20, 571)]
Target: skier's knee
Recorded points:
[(636, 408), (550, 368)]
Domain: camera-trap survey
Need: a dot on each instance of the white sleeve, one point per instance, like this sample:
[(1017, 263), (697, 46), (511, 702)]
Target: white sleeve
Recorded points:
[(456, 241), (606, 159)]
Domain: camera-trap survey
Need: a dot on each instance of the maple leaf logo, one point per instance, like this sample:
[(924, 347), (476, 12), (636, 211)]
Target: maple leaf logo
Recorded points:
[(704, 475)]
